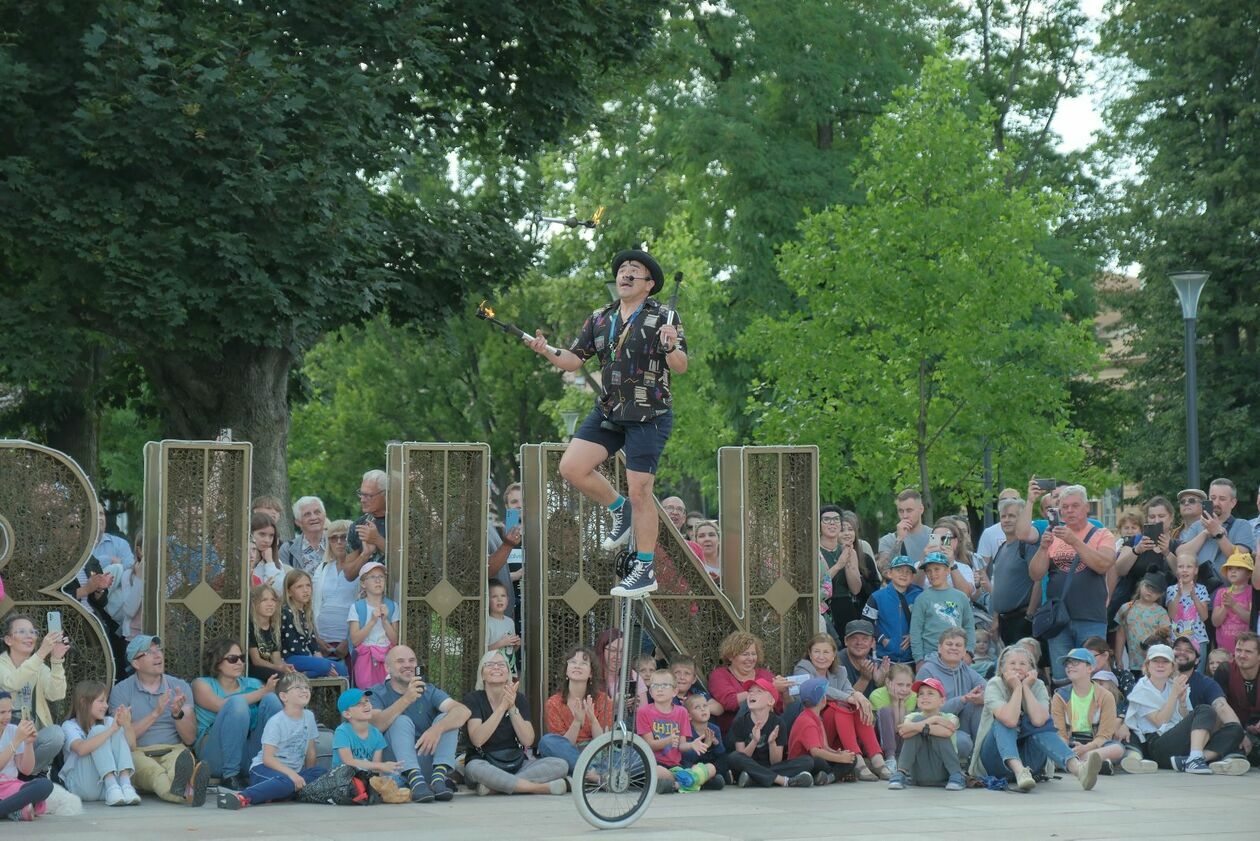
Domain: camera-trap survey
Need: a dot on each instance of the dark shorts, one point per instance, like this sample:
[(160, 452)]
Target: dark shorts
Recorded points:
[(643, 441)]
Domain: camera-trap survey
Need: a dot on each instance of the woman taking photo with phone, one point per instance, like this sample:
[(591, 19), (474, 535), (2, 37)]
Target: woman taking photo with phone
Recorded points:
[(34, 675)]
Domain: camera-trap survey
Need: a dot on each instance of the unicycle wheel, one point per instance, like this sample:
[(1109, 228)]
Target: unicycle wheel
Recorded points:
[(626, 772)]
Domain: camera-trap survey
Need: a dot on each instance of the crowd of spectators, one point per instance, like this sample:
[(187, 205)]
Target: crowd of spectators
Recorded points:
[(1050, 643)]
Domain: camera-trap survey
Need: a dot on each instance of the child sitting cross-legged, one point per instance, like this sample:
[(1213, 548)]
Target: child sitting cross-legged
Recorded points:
[(809, 736), (666, 728), (1084, 713), (361, 746), (98, 762), (704, 730), (759, 757), (929, 755), (286, 764)]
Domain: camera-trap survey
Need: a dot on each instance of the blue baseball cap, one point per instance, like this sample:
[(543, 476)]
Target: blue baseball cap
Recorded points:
[(935, 558), (901, 561), (140, 644), (1082, 654), (813, 691), (351, 698)]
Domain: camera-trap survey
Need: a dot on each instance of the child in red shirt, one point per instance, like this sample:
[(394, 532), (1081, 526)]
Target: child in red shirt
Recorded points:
[(809, 737)]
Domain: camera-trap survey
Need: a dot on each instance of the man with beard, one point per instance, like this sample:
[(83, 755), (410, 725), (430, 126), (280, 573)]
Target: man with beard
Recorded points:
[(1205, 690), (1239, 681)]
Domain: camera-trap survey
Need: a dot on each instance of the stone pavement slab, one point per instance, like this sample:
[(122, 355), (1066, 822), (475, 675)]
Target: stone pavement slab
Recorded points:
[(1165, 805)]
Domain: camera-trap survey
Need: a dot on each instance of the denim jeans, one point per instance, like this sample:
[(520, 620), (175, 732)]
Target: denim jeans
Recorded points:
[(402, 735), (268, 784), (230, 744), (312, 666), (1073, 636), (553, 744), (1025, 744)]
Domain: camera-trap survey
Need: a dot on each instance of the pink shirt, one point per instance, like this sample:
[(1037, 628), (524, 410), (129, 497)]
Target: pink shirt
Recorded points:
[(649, 721)]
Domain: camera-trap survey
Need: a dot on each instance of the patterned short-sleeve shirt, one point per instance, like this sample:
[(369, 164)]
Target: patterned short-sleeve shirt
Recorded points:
[(633, 370)]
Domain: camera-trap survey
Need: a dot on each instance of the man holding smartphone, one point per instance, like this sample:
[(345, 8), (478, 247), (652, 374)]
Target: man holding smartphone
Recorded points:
[(1212, 530), (640, 345)]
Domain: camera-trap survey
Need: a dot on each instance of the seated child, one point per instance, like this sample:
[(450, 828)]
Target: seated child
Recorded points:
[(286, 763), (928, 756), (1217, 658), (665, 726), (759, 744), (98, 763), (1084, 713), (683, 668), (705, 731), (20, 799), (892, 702), (361, 746), (984, 658), (809, 737)]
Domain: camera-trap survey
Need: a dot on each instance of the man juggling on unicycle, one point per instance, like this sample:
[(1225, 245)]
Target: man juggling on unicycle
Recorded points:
[(639, 343)]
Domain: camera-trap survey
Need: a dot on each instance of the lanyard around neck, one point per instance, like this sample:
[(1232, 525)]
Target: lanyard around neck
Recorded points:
[(625, 331)]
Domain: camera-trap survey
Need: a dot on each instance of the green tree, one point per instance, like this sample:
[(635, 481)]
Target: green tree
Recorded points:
[(217, 187), (928, 323), (1183, 137)]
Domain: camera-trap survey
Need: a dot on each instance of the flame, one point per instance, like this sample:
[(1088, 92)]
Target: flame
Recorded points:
[(485, 310), (599, 214)]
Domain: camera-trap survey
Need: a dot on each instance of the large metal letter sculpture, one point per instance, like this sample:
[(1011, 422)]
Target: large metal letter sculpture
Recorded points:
[(769, 499), (196, 543), (48, 514), (436, 533), (769, 564)]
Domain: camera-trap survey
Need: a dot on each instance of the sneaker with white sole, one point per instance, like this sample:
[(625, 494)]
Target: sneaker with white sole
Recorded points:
[(114, 794), (802, 780), (1133, 763), (957, 782), (898, 781), (1193, 766), (130, 796), (621, 530), (1232, 765), (1024, 780), (1087, 773), (638, 583)]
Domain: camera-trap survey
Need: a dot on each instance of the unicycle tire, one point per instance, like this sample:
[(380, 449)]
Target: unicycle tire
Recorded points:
[(627, 771)]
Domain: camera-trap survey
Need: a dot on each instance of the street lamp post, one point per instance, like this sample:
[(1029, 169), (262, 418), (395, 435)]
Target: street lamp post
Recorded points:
[(1189, 286)]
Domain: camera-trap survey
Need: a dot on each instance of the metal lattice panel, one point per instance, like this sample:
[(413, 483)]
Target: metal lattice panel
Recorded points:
[(48, 526), (436, 524), (196, 519)]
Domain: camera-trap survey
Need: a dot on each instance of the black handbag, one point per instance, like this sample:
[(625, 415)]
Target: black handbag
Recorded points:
[(506, 759), (1052, 617)]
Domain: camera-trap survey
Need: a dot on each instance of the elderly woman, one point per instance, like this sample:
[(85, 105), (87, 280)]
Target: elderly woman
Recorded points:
[(33, 683), (231, 710), (1016, 735), (742, 654), (710, 542), (499, 731)]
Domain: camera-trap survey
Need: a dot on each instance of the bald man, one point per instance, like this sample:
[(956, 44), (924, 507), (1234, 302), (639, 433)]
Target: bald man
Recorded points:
[(676, 510), (421, 724)]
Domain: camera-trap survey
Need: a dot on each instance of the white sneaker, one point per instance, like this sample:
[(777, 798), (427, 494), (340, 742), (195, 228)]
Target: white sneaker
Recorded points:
[(130, 795), (1233, 765), (1133, 763), (114, 795)]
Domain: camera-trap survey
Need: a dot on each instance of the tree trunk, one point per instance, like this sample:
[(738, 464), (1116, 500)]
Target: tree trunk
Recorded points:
[(922, 442), (74, 427), (245, 389)]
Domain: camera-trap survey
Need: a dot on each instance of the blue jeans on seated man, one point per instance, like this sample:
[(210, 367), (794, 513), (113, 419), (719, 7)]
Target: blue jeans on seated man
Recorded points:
[(231, 744), (402, 736), (1030, 745), (1073, 636), (312, 666)]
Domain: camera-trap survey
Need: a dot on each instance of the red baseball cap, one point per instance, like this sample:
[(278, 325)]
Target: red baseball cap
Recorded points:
[(930, 683), (768, 686)]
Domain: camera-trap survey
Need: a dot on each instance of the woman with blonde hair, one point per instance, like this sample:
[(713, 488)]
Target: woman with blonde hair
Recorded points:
[(332, 592)]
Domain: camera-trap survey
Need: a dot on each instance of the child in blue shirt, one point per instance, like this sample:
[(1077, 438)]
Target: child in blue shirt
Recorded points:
[(361, 746), (888, 608)]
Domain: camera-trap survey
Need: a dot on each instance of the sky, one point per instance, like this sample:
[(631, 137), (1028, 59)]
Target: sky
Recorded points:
[(1079, 118)]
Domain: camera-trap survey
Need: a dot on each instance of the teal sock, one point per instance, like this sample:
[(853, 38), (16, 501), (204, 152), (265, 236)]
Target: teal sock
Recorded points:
[(645, 557), (616, 506)]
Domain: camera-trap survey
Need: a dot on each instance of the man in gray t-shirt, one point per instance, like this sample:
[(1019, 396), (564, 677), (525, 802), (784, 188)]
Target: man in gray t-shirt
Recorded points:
[(911, 535), (163, 724)]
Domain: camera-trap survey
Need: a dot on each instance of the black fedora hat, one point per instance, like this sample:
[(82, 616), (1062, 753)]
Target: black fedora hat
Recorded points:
[(653, 267)]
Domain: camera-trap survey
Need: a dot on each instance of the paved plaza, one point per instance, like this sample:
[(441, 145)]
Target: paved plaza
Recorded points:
[(1166, 806)]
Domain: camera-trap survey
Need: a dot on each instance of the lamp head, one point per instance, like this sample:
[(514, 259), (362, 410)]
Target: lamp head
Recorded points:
[(1189, 286)]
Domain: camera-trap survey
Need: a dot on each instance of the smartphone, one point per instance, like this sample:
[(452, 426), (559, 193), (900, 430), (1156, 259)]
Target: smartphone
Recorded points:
[(511, 519), (1208, 508), (1047, 485), (945, 540), (1153, 530), (1052, 516), (54, 621)]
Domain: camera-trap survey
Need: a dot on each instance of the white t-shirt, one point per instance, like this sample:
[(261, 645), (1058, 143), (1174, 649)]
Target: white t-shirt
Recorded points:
[(337, 595), (290, 737), (377, 635), (6, 739)]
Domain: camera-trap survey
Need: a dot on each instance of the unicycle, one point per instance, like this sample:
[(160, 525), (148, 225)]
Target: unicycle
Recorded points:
[(614, 779)]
